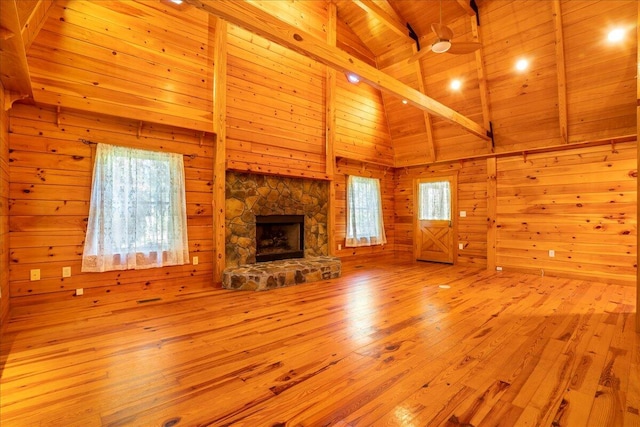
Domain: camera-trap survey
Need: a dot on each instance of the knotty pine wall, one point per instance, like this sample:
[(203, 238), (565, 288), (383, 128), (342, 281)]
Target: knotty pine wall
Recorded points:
[(5, 305), (362, 132), (581, 203), (146, 60), (275, 109), (50, 183), (472, 198), (346, 167)]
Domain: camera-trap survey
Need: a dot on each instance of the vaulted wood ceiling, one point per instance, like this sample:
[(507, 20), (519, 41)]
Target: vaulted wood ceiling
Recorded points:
[(578, 88)]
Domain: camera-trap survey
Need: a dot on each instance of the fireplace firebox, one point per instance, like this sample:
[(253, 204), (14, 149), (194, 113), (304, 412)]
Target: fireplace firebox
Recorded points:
[(279, 237)]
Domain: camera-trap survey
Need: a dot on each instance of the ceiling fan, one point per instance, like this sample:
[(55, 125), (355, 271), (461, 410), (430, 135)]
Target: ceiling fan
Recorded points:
[(443, 42)]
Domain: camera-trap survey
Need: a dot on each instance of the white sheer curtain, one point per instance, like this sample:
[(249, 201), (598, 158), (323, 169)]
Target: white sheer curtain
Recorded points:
[(435, 201), (365, 226), (137, 213)]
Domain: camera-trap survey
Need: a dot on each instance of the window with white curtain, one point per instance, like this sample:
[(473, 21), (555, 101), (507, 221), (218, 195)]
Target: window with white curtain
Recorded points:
[(137, 212), (435, 201), (365, 226)]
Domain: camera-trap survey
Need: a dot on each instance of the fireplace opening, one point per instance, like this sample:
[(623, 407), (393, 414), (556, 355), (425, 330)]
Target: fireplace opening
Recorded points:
[(279, 237)]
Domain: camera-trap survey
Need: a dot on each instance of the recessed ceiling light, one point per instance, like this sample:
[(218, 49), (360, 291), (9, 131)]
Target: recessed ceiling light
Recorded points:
[(353, 78), (522, 64), (616, 35), (405, 102), (176, 1), (455, 84)]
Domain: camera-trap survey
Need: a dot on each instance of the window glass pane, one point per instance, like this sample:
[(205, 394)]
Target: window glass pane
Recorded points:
[(435, 201), (365, 225), (137, 212)]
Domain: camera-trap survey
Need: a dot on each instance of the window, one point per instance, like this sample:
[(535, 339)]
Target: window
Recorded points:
[(364, 212), (137, 213), (435, 201)]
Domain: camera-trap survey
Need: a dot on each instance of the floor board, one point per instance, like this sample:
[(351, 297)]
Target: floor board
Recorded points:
[(391, 343)]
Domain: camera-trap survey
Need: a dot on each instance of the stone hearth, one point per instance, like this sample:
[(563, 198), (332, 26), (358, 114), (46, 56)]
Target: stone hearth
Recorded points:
[(277, 274)]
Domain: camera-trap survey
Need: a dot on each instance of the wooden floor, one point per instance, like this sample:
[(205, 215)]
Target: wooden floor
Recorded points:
[(391, 343)]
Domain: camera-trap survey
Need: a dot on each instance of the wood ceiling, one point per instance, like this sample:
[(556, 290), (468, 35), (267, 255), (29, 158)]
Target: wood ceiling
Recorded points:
[(577, 89)]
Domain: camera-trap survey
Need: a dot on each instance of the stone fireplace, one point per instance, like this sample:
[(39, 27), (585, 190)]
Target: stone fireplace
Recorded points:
[(252, 196)]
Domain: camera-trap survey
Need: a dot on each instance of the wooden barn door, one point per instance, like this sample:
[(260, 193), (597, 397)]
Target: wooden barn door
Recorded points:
[(435, 227)]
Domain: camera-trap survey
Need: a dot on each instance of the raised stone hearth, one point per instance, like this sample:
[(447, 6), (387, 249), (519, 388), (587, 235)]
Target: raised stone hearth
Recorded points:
[(277, 274)]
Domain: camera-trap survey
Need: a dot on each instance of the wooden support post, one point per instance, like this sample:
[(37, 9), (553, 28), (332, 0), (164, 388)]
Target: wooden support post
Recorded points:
[(330, 129), (482, 82), (220, 129), (492, 200), (637, 165)]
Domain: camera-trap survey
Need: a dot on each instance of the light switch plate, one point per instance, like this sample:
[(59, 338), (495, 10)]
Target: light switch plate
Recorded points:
[(66, 271), (194, 260), (460, 245), (463, 214)]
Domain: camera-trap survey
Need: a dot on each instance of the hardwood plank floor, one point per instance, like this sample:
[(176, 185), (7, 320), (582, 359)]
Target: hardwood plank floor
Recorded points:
[(391, 343)]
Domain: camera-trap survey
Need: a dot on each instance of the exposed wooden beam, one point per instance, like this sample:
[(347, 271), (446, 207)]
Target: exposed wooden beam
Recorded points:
[(330, 129), (263, 24), (393, 21), (638, 163), (492, 203), (482, 81), (220, 129), (466, 6), (14, 73), (35, 21), (560, 69), (431, 144)]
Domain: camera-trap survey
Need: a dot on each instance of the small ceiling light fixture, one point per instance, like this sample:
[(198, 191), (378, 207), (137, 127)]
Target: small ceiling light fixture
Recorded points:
[(405, 102), (440, 46), (455, 84), (176, 1), (616, 35), (353, 78), (522, 64)]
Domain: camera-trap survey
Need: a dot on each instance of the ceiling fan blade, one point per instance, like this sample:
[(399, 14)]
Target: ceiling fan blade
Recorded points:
[(442, 31), (458, 48)]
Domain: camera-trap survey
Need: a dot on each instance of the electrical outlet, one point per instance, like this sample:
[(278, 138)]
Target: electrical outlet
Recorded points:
[(552, 253), (460, 246), (498, 268), (195, 260), (34, 274), (463, 214), (79, 292), (66, 271)]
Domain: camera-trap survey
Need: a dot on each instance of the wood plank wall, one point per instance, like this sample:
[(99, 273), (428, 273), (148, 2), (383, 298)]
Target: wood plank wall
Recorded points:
[(472, 198), (581, 203), (50, 187), (275, 109), (5, 300), (362, 132), (145, 60), (347, 167)]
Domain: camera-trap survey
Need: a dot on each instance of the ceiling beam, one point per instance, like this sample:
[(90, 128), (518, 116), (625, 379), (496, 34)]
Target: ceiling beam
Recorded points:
[(466, 6), (562, 74), (272, 28), (393, 21), (14, 73), (482, 82), (36, 20)]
